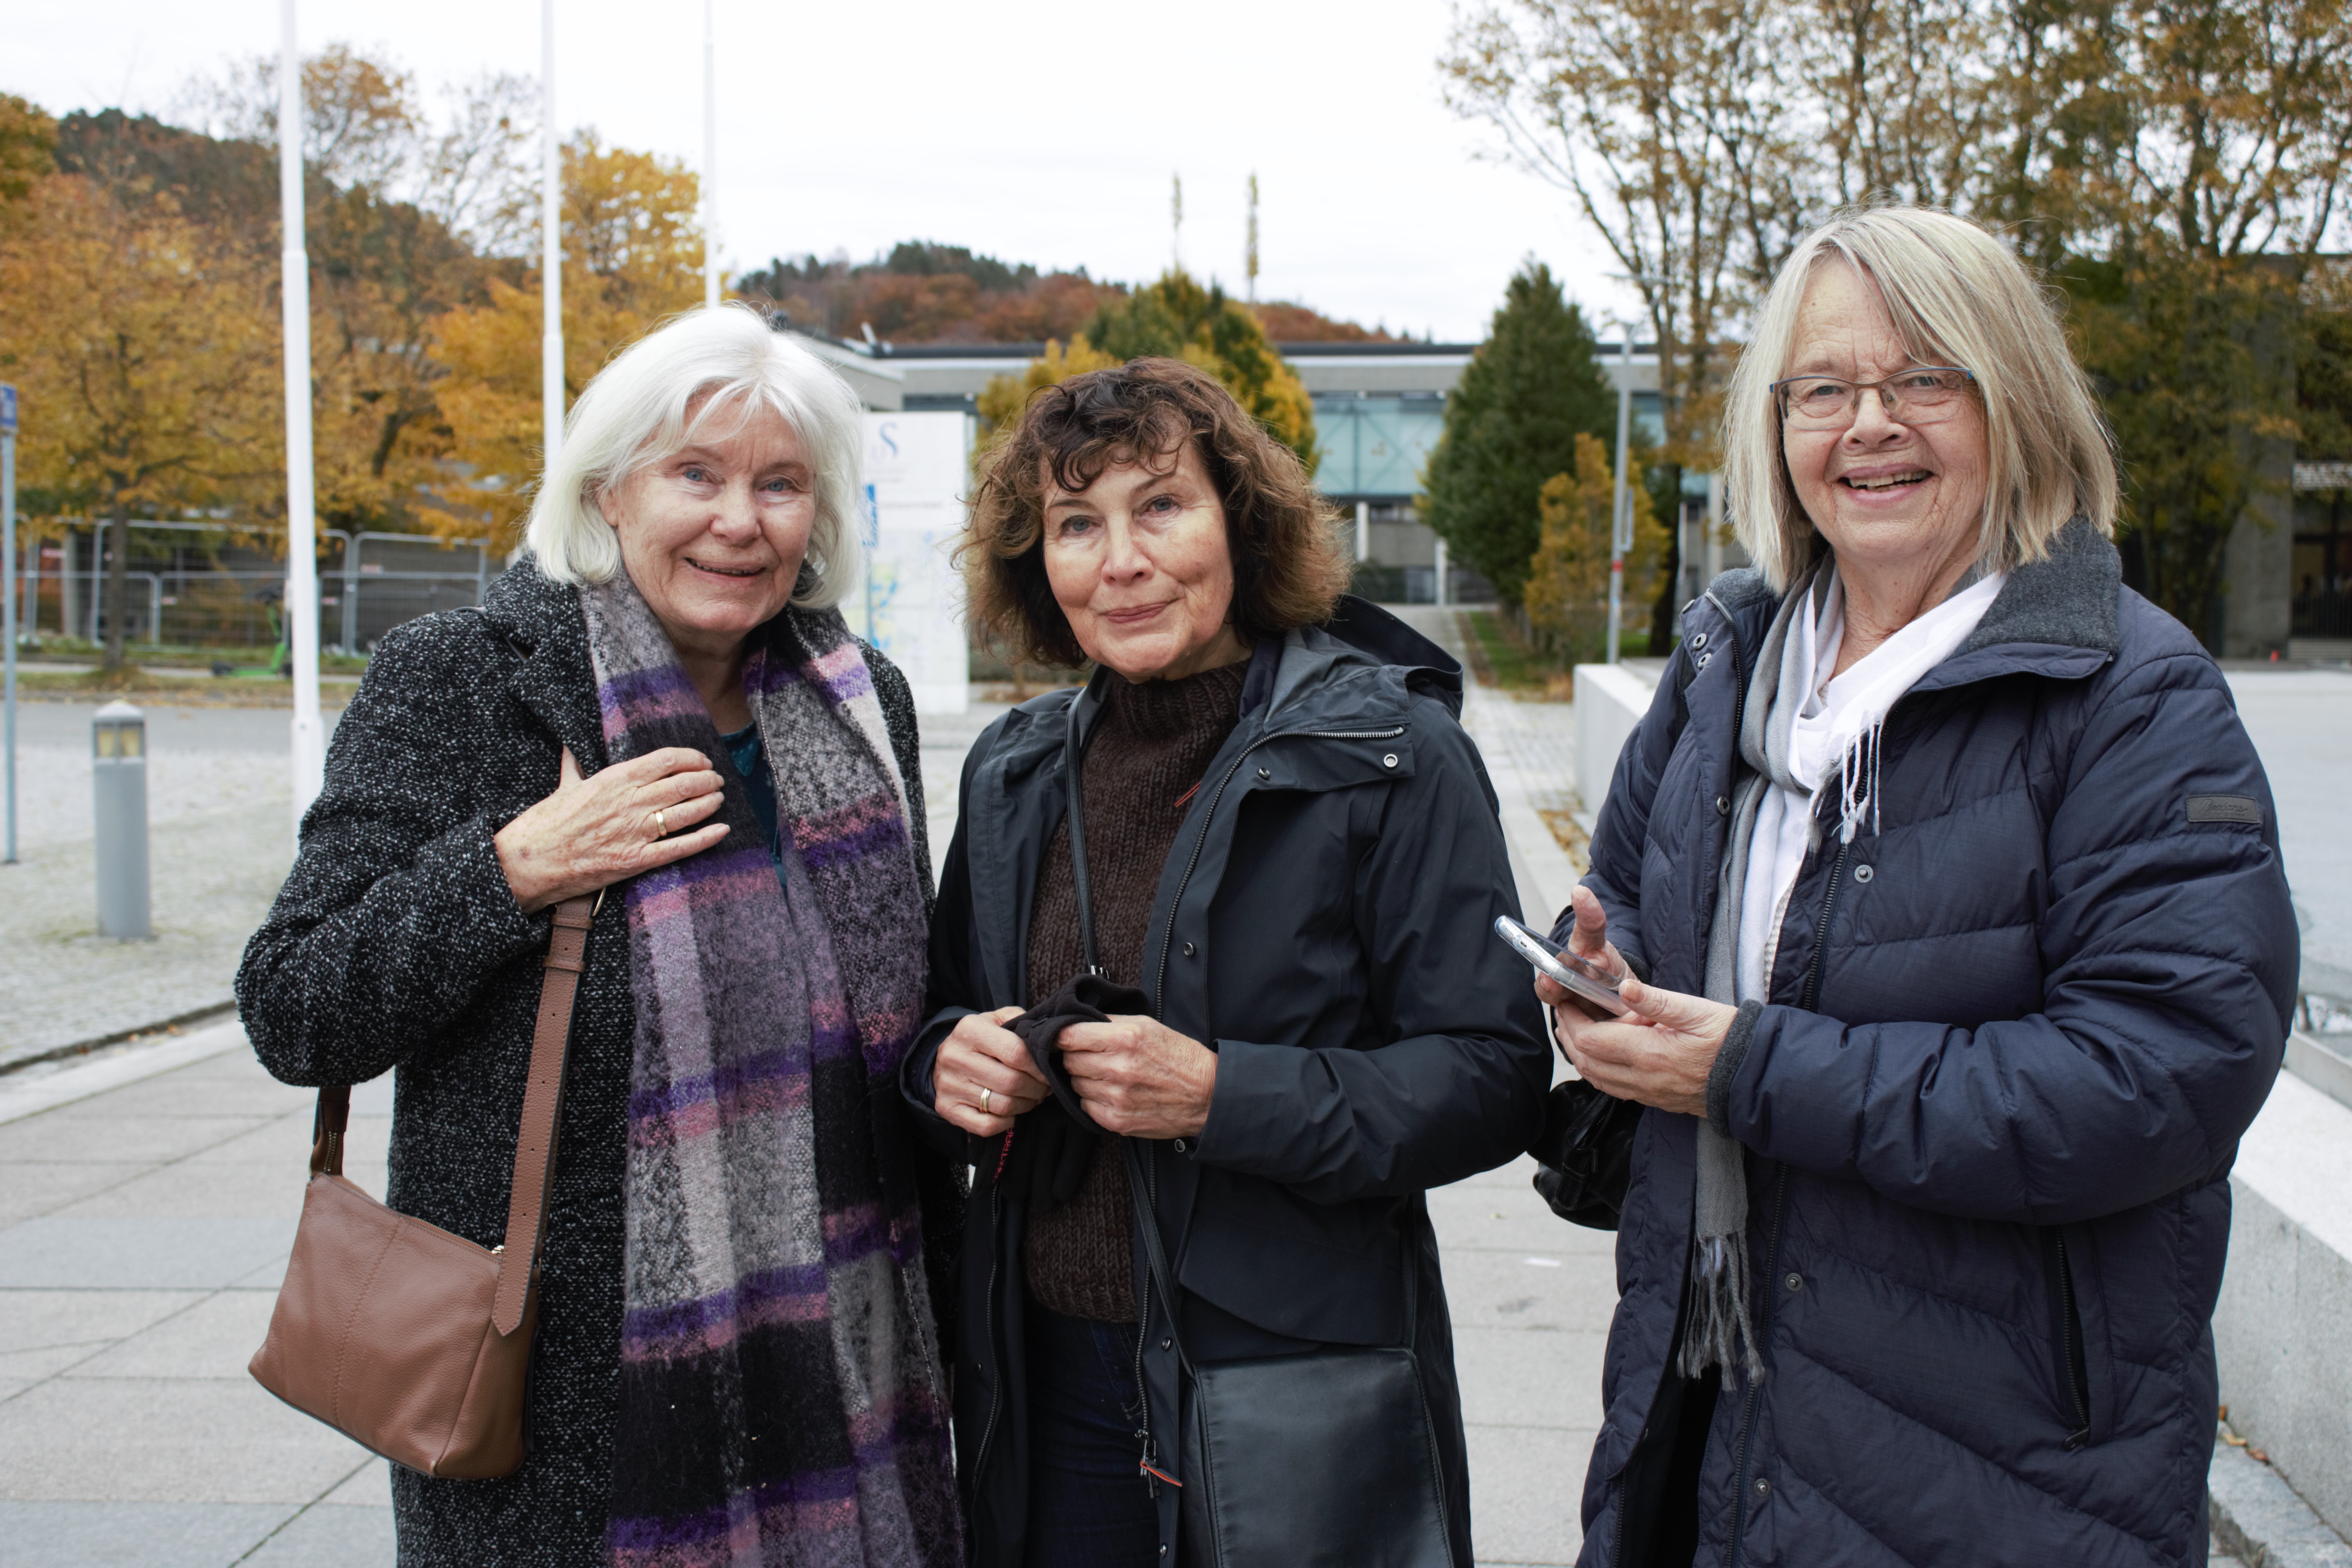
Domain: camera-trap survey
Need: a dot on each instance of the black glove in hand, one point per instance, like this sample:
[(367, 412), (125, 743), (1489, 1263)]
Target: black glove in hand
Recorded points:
[(1043, 1159), (1048, 1159)]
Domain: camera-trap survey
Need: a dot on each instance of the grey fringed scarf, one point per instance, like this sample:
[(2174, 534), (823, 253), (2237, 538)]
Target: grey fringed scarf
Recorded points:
[(1719, 1333)]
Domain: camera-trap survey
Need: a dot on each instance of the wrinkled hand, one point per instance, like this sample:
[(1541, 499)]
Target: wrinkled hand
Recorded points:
[(979, 1054), (1659, 1054), (592, 833), (1137, 1076)]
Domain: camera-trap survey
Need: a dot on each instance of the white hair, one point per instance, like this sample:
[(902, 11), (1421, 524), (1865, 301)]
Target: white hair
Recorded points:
[(1958, 296), (635, 414)]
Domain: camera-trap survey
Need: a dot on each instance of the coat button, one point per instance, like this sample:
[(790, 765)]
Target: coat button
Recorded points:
[(1863, 873), (1700, 641), (1167, 1344), (1722, 805), (1763, 1487), (1702, 661), (1794, 1281), (1390, 760), (1180, 1145), (1264, 774), (1188, 950)]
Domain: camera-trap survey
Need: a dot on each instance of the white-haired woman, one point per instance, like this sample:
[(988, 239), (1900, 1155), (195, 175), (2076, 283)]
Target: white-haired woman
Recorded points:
[(736, 1346), (1964, 957)]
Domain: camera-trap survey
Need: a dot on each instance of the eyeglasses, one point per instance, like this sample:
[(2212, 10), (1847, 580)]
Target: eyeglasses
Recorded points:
[(1920, 395)]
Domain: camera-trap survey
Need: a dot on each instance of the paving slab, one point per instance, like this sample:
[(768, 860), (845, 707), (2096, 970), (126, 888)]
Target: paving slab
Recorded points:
[(124, 1253), (133, 1534), (344, 1537), (213, 1338), (165, 1441)]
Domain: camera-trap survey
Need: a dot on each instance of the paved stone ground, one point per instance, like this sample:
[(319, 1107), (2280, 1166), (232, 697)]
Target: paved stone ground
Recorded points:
[(2301, 721), (221, 838)]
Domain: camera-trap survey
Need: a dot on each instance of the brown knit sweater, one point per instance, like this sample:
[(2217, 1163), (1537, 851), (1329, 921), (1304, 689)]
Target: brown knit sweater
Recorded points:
[(1150, 747)]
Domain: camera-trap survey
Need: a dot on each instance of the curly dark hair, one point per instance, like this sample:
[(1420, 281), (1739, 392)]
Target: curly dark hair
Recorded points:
[(1289, 568)]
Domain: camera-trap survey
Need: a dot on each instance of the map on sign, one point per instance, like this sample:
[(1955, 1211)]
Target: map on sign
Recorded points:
[(910, 603)]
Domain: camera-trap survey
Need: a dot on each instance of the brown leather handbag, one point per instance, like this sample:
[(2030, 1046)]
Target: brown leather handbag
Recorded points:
[(409, 1341)]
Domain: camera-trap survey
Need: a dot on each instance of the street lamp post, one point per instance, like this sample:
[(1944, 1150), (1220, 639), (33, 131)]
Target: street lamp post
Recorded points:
[(709, 156), (551, 254), (310, 747), (1620, 513)]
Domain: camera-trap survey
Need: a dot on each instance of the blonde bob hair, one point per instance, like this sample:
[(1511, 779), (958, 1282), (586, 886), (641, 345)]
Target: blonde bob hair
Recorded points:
[(635, 414), (1958, 296)]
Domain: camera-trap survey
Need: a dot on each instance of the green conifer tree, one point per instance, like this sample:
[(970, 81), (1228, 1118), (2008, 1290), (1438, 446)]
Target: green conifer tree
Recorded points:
[(1512, 424)]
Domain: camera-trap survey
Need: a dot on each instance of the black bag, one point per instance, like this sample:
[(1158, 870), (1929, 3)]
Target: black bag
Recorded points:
[(1322, 1460), (1585, 1153)]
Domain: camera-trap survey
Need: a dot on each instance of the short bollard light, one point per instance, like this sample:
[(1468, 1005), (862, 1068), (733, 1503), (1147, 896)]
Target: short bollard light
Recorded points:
[(118, 776)]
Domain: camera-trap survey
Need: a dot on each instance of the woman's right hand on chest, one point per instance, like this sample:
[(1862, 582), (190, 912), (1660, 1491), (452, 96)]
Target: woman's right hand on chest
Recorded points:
[(983, 1078), (590, 832)]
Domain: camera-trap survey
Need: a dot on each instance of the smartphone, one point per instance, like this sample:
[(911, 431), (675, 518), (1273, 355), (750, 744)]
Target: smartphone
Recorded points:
[(1585, 978)]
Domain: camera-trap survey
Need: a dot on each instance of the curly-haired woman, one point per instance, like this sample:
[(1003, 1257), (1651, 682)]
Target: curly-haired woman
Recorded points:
[(1289, 848)]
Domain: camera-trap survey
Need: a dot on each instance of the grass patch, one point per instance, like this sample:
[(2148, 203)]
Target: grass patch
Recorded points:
[(1500, 658)]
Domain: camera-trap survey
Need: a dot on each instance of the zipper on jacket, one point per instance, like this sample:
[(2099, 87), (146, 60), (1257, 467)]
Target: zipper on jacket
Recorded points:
[(2071, 1330), (1152, 1475), (996, 1390), (1160, 990), (1821, 930), (1748, 1409)]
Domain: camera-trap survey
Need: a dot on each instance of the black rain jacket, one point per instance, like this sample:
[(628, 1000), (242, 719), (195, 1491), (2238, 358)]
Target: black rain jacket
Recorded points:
[(1322, 922)]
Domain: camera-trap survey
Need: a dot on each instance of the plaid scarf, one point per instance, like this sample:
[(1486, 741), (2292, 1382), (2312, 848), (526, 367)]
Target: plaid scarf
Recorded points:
[(781, 1400)]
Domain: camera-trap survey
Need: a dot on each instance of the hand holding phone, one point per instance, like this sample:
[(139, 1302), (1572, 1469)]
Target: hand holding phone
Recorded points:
[(1579, 976)]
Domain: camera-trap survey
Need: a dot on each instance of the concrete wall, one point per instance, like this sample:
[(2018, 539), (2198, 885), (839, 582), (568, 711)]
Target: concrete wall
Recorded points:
[(2282, 1327), (1609, 700)]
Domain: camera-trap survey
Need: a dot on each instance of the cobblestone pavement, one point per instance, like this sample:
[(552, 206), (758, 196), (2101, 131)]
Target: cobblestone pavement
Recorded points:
[(219, 842)]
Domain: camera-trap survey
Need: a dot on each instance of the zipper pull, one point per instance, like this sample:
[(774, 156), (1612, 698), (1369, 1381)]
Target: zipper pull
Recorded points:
[(1155, 1475)]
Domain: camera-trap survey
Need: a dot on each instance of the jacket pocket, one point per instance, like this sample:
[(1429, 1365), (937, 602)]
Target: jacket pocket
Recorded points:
[(2077, 1327)]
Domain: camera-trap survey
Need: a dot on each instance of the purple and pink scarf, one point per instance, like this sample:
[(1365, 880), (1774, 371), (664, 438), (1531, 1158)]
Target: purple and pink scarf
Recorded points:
[(782, 1401)]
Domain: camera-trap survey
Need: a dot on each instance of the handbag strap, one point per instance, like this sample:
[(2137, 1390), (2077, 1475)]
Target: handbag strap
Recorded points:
[(542, 1096)]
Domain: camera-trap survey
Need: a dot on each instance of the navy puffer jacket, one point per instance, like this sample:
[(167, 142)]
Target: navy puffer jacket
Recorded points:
[(2014, 1037)]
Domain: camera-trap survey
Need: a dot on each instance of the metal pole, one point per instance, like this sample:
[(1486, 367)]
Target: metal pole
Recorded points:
[(118, 747), (1441, 574), (350, 605), (309, 745), (8, 593), (1714, 530), (709, 156), (551, 253), (1618, 513), (1363, 531)]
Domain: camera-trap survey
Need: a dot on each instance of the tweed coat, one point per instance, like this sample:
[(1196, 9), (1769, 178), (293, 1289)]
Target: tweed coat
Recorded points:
[(396, 946)]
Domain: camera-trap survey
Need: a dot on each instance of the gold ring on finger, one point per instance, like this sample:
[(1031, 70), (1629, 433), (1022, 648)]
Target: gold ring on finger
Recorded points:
[(983, 1101), (661, 824)]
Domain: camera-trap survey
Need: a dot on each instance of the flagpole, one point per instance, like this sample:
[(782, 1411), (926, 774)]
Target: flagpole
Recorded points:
[(550, 223), (302, 603), (709, 156)]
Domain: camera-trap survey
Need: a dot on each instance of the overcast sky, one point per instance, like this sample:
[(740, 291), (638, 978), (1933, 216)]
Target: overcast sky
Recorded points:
[(1042, 131)]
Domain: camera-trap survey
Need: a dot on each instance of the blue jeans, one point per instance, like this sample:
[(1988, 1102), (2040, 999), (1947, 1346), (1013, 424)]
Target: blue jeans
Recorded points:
[(1088, 1504)]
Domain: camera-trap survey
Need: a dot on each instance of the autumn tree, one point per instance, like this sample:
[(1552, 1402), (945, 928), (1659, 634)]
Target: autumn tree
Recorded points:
[(1660, 120), (144, 348), (1178, 318), (632, 257), (1566, 596), (1534, 385)]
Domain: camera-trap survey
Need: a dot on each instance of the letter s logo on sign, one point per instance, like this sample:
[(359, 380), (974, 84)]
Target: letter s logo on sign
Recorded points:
[(888, 436)]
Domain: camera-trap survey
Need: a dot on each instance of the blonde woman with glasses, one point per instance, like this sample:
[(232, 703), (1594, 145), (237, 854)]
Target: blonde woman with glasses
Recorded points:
[(1946, 886)]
